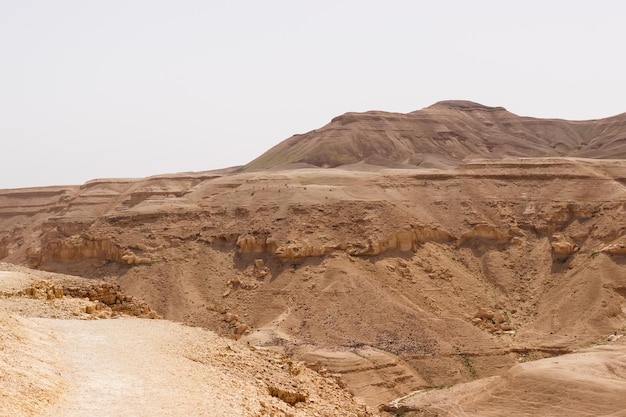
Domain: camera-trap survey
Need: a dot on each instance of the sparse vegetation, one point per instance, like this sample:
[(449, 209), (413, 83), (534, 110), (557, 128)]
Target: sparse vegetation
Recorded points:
[(467, 362)]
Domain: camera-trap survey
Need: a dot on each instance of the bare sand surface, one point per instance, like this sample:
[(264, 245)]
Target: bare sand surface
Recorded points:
[(140, 367), (134, 367)]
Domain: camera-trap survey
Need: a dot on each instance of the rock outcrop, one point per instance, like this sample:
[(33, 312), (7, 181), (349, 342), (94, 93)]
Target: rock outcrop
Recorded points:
[(617, 248), (562, 247), (493, 320), (100, 298), (78, 248)]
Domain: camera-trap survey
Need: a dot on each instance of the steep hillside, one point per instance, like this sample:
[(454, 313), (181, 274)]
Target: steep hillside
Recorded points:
[(442, 136), (395, 279)]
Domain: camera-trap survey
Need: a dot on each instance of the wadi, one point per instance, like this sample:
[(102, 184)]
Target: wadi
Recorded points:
[(459, 260)]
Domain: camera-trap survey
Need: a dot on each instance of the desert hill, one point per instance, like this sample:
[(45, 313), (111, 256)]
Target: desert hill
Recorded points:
[(443, 135), (395, 279)]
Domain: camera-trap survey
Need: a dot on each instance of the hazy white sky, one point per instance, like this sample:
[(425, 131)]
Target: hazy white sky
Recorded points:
[(131, 88)]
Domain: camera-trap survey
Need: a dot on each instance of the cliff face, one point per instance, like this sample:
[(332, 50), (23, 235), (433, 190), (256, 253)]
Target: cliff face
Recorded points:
[(442, 136), (401, 278), (495, 259)]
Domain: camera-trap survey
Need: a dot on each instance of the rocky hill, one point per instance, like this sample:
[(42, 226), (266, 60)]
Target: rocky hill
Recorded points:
[(443, 135), (392, 279)]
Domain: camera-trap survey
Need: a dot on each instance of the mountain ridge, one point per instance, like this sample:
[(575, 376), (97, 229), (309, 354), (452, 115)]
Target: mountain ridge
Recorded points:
[(443, 135)]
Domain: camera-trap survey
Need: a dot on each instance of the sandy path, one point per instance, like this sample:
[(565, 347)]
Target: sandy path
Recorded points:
[(140, 367), (11, 281), (130, 367)]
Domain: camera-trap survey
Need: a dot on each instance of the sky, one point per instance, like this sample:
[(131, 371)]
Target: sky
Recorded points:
[(133, 88)]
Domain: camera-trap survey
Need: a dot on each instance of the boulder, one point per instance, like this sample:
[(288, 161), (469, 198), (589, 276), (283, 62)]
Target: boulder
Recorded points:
[(562, 247), (484, 314)]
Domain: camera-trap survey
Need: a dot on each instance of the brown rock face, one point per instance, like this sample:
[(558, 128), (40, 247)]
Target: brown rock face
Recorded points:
[(562, 246), (373, 274), (442, 136)]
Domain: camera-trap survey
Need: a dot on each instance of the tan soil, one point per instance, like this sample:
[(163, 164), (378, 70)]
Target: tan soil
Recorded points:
[(144, 367), (29, 379), (141, 367), (589, 383)]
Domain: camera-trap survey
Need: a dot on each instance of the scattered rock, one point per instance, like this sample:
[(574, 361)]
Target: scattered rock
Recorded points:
[(484, 314), (290, 395), (615, 249), (260, 269), (562, 246)]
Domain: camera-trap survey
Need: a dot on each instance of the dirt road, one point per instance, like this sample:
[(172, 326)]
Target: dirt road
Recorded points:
[(131, 367), (56, 361)]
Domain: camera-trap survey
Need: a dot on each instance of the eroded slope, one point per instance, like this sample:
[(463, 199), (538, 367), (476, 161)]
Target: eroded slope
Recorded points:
[(442, 136), (396, 279), (591, 382)]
